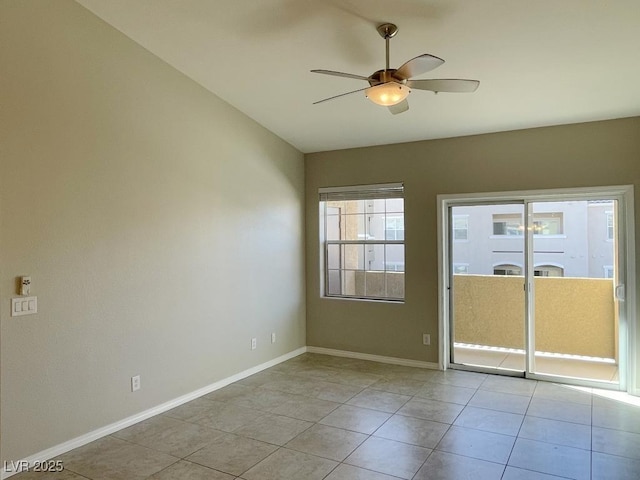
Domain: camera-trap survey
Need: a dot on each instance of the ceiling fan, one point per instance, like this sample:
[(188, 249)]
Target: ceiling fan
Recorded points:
[(390, 87)]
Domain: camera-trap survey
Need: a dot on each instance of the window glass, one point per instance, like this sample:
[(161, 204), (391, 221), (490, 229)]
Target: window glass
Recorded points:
[(507, 224), (461, 227), (459, 268), (547, 223), (363, 242)]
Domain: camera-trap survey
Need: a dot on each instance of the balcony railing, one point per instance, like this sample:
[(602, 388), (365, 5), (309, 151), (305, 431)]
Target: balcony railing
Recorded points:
[(573, 316)]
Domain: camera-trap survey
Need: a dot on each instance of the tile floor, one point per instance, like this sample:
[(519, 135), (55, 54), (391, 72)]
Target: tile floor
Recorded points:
[(510, 360), (321, 417)]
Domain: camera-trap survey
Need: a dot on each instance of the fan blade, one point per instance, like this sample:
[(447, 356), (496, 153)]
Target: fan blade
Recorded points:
[(452, 85), (341, 95), (418, 66), (341, 74), (403, 106)]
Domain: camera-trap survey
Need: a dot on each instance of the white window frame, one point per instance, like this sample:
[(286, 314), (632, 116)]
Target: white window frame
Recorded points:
[(360, 192)]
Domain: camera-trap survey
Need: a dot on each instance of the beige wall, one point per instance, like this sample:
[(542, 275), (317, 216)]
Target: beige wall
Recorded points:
[(161, 227), (599, 153)]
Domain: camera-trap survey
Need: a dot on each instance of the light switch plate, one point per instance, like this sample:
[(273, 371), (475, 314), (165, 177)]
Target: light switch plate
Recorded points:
[(24, 306)]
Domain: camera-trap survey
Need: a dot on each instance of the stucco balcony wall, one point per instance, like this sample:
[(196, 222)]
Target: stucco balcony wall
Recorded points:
[(575, 316)]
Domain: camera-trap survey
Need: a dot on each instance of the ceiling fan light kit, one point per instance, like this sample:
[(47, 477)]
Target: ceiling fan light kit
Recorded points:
[(391, 87), (387, 94)]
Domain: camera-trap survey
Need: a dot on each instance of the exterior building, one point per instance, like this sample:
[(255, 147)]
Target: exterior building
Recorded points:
[(571, 239)]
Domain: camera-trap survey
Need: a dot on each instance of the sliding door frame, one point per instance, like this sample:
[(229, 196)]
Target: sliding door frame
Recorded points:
[(628, 328), (466, 202)]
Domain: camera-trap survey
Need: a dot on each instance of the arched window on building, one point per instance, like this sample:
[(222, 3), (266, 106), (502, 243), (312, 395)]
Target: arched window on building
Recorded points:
[(507, 269), (548, 271)]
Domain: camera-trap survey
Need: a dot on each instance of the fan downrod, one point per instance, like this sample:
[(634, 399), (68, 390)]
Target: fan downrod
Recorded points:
[(387, 30)]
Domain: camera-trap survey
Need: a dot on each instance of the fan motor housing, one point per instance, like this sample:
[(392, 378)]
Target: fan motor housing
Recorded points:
[(384, 76)]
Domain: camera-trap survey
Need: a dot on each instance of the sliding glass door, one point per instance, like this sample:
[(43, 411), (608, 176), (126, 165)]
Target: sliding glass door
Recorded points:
[(574, 312), (487, 292), (534, 287)]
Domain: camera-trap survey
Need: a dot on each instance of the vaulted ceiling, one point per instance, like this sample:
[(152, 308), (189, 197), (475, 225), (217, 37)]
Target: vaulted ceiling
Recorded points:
[(543, 62)]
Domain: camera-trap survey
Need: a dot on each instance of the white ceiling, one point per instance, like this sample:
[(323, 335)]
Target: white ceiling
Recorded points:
[(541, 62)]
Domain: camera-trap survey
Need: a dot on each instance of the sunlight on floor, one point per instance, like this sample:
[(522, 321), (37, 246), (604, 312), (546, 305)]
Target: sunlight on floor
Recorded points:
[(593, 368)]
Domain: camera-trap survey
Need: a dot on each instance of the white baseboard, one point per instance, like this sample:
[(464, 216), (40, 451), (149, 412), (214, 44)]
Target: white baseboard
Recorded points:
[(176, 402), (374, 358), (132, 420)]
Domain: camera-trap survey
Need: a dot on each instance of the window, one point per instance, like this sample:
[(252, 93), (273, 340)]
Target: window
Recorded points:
[(363, 241), (610, 227), (548, 271), (460, 268), (507, 270), (511, 224), (394, 227), (507, 224), (548, 223), (461, 227)]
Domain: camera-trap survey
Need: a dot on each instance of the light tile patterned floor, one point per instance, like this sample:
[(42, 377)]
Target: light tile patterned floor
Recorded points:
[(321, 417)]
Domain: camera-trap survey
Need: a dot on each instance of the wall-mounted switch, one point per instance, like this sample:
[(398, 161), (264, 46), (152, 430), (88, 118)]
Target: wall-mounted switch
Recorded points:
[(24, 306), (426, 339)]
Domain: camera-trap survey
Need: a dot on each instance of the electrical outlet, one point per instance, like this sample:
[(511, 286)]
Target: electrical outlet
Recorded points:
[(426, 339), (273, 338), (254, 343), (135, 383)]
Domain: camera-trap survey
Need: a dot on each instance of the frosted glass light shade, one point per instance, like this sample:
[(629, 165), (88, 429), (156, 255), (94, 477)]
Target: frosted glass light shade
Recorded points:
[(387, 94)]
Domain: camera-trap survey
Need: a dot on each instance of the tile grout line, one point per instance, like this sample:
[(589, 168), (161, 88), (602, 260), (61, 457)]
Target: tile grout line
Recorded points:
[(524, 416)]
